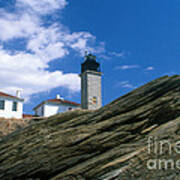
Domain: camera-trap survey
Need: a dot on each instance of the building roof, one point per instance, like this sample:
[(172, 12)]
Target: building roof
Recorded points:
[(58, 101), (27, 116), (2, 94)]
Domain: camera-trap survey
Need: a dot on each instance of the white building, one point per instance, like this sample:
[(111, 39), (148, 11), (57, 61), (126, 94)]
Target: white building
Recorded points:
[(54, 106), (11, 106)]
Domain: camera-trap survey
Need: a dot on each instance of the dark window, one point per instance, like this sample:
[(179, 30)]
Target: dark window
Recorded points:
[(14, 108), (94, 100), (2, 104), (70, 108), (42, 111)]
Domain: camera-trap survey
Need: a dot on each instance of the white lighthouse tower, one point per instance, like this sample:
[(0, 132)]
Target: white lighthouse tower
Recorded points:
[(91, 97)]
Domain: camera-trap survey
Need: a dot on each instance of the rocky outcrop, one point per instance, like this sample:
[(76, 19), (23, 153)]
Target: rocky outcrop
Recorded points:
[(108, 144)]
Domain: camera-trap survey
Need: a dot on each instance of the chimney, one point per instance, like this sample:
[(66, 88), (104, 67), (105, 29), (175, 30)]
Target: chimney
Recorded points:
[(59, 97), (18, 93)]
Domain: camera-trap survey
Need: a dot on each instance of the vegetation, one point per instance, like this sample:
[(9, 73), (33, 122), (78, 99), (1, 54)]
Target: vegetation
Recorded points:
[(9, 125)]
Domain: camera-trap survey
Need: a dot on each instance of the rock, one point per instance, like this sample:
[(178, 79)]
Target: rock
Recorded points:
[(107, 144)]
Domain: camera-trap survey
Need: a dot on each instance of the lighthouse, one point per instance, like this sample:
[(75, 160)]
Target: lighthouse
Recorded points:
[(91, 77)]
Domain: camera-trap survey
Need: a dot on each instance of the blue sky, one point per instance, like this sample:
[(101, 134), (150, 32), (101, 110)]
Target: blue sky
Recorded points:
[(42, 44)]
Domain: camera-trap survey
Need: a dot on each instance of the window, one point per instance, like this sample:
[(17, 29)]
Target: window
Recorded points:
[(42, 111), (14, 108), (70, 108), (94, 100), (2, 104)]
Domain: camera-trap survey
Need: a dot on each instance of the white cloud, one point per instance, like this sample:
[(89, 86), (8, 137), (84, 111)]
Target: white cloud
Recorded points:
[(83, 41), (48, 44), (111, 55), (27, 69), (42, 6), (118, 54), (150, 68), (125, 67), (17, 26), (17, 72), (78, 41), (126, 84)]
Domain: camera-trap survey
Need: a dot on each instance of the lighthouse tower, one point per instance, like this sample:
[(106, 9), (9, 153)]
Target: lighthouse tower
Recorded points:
[(91, 97)]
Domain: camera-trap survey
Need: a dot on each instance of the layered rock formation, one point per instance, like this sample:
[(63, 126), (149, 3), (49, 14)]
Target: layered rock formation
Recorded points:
[(108, 144)]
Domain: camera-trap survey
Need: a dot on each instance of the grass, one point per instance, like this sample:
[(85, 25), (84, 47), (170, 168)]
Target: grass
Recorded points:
[(9, 125)]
